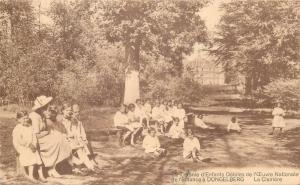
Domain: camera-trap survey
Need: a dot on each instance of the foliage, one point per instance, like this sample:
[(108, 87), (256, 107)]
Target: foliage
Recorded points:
[(259, 40), (158, 82), (80, 54), (167, 28), (286, 91)]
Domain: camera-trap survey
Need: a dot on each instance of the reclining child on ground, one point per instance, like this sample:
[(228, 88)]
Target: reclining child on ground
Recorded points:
[(200, 123)]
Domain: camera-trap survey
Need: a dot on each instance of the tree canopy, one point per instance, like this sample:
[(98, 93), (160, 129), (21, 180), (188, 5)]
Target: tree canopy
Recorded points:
[(259, 40)]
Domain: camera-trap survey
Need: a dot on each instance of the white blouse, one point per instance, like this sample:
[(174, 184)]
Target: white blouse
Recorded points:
[(151, 144), (120, 119), (189, 145)]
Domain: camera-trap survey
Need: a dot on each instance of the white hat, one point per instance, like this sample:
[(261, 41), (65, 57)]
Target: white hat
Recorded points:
[(41, 101)]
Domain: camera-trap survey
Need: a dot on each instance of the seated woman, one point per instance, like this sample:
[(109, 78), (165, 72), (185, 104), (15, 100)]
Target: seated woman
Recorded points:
[(176, 131), (73, 137), (121, 121), (135, 124), (151, 144), (191, 147), (25, 143), (53, 148)]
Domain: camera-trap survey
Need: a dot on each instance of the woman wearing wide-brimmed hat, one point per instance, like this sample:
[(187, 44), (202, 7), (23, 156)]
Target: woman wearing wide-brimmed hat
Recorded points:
[(52, 147)]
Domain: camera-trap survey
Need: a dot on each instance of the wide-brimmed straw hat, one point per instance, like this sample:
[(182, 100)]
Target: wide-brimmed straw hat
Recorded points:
[(41, 101)]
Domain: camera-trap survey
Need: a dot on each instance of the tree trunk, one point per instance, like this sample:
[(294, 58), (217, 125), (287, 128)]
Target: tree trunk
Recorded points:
[(132, 82)]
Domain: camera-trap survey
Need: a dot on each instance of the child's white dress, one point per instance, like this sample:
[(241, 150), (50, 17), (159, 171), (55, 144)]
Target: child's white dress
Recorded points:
[(140, 113), (22, 137), (233, 126), (157, 114), (168, 116), (200, 123), (189, 145), (147, 109), (176, 131), (151, 144), (180, 113), (120, 119), (134, 121), (278, 120)]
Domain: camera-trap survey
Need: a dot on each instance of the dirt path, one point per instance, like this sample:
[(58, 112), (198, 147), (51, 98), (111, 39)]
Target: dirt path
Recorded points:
[(252, 148)]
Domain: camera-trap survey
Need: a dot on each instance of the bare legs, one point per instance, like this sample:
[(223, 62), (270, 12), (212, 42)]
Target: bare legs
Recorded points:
[(40, 173)]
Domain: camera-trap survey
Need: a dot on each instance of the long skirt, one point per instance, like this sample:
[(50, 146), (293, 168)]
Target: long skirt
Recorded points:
[(53, 148)]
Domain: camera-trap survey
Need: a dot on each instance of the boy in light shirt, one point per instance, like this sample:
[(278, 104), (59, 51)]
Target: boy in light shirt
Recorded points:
[(191, 147), (151, 144)]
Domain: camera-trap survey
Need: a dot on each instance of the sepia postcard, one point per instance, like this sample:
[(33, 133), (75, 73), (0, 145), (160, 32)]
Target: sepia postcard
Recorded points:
[(150, 92)]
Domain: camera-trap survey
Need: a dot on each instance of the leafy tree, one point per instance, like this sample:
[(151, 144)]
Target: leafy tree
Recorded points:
[(167, 28), (258, 39)]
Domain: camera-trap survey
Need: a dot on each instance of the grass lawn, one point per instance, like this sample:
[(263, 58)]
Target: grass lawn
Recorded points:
[(129, 165)]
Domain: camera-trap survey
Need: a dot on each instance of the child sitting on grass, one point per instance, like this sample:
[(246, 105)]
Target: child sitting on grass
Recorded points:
[(25, 143), (233, 126), (191, 147), (176, 131), (151, 144)]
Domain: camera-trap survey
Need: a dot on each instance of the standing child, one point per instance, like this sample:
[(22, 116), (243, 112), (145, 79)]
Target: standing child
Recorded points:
[(191, 147), (151, 144), (158, 117), (25, 143), (278, 120), (181, 114), (148, 111), (233, 125)]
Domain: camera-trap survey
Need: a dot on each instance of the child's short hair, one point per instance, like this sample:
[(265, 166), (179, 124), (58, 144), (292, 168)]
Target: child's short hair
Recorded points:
[(176, 119), (200, 115), (131, 105), (189, 131), (233, 119), (66, 105), (137, 100), (21, 114), (151, 129)]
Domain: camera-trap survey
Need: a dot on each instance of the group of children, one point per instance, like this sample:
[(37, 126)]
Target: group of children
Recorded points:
[(151, 119), (68, 124)]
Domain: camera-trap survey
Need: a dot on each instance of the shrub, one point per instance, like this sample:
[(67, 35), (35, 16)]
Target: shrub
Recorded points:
[(286, 91)]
